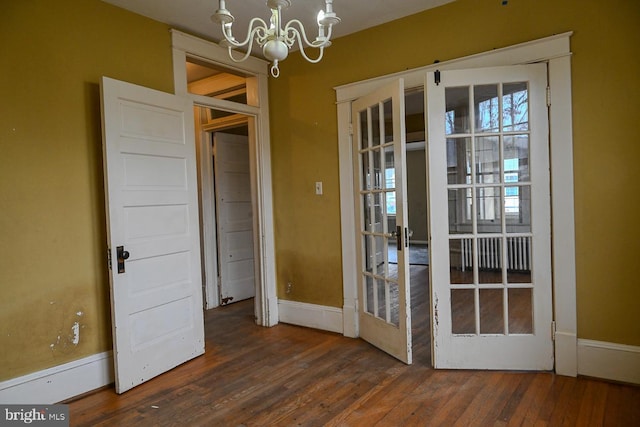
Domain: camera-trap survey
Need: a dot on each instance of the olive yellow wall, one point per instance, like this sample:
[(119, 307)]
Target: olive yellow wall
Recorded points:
[(52, 233), (52, 223), (606, 89)]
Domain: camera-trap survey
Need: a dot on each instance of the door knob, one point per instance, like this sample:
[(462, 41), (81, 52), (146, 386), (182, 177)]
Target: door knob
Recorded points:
[(122, 255)]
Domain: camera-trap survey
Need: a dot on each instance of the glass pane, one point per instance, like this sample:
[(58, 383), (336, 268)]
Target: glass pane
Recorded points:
[(391, 242), (391, 203), (459, 201), (457, 110), (377, 170), (516, 159), (487, 108), (520, 311), (368, 285), (488, 209), (382, 299), (394, 306), (515, 110), (460, 261), (458, 161), (368, 253), (366, 173), (389, 168), (367, 204), (517, 207), (206, 79), (377, 213), (375, 125), (463, 313), (519, 259), (388, 121), (490, 260), (379, 256), (491, 311), (364, 130), (487, 159)]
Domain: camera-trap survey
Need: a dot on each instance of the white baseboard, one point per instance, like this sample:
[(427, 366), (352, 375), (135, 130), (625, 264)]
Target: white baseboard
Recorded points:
[(59, 383), (311, 315), (609, 361)]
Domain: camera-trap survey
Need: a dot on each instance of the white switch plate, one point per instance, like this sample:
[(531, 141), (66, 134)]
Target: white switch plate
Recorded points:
[(319, 188)]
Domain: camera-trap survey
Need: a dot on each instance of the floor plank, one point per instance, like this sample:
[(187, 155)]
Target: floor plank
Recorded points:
[(294, 376)]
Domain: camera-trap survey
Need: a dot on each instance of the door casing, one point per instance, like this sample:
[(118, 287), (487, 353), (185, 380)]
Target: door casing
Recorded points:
[(266, 301), (555, 51)]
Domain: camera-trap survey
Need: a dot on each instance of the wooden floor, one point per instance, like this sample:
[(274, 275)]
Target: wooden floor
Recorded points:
[(291, 376)]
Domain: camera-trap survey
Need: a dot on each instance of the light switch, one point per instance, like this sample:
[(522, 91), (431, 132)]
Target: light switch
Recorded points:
[(319, 188)]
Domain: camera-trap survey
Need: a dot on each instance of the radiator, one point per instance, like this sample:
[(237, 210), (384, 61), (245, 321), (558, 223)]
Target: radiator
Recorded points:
[(490, 255)]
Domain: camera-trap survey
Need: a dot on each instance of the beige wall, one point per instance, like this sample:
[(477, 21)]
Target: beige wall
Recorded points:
[(52, 232), (52, 223), (605, 70)]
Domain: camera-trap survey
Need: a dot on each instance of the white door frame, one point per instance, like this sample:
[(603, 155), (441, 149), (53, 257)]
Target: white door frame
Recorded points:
[(555, 50), (184, 45)]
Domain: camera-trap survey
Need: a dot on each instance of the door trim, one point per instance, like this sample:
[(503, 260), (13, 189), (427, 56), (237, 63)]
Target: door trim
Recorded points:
[(266, 301), (554, 50)]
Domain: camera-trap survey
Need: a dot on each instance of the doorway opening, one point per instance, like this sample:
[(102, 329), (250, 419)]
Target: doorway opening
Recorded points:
[(224, 137), (225, 149), (417, 197)]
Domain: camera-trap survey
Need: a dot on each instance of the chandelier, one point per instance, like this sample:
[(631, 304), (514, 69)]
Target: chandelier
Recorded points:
[(274, 40)]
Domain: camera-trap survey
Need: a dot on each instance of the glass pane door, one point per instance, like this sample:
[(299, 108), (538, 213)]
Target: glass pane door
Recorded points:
[(379, 153), (490, 218)]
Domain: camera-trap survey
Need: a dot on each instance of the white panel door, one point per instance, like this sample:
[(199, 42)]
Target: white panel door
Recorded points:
[(152, 229), (490, 218), (234, 217), (381, 215)]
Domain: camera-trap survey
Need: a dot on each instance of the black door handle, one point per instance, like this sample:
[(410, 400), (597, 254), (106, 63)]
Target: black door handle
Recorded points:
[(122, 255)]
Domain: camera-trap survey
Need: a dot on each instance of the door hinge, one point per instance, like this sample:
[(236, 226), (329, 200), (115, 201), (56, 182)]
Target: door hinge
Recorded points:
[(436, 77), (548, 96), (109, 257), (350, 128), (553, 330)]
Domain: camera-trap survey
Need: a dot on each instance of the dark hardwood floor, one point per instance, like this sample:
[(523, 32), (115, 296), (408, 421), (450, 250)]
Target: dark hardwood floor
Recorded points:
[(290, 376)]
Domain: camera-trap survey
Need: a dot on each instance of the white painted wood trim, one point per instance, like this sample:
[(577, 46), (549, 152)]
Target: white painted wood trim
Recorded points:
[(563, 219), (610, 361), (61, 382), (212, 51), (266, 301), (311, 315), (556, 51), (539, 50), (207, 207), (347, 212)]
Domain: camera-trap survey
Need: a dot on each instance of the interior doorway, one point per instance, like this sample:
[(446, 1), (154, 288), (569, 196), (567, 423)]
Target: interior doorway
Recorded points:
[(228, 236), (228, 249), (417, 197)]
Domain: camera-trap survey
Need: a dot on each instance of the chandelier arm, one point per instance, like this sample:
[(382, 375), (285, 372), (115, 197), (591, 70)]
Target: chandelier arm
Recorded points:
[(301, 31), (249, 48), (261, 25), (302, 52)]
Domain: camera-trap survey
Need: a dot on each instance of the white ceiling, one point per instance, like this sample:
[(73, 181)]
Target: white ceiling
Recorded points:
[(194, 16)]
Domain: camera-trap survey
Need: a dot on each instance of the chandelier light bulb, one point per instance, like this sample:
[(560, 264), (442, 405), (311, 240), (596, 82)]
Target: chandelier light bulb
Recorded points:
[(275, 39)]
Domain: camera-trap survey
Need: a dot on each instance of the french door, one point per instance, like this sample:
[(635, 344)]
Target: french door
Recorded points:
[(382, 234), (489, 200)]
